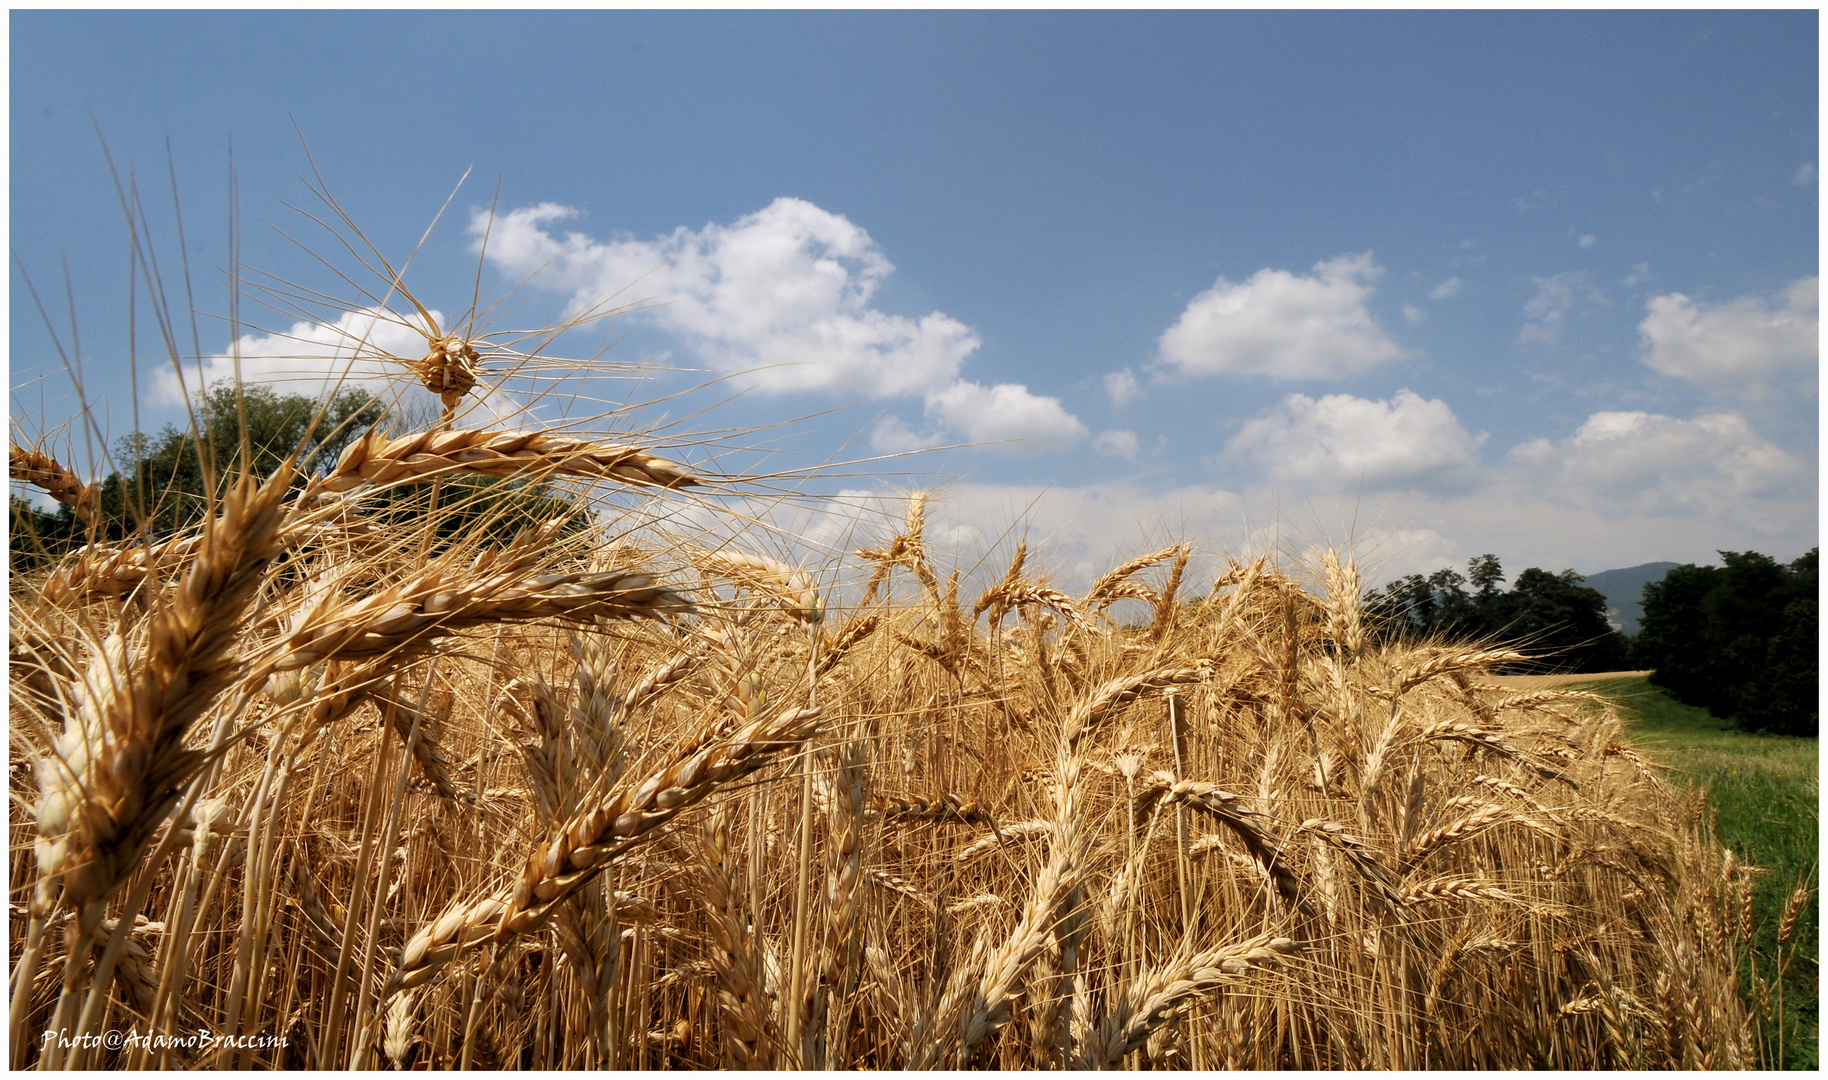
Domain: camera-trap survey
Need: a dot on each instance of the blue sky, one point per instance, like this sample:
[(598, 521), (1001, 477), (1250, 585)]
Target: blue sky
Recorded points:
[(1542, 284)]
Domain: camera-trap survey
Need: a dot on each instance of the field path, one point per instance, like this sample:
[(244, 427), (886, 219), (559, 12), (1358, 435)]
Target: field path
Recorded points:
[(1544, 682)]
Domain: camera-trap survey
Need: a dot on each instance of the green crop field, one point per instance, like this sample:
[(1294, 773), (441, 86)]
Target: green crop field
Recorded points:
[(1765, 790)]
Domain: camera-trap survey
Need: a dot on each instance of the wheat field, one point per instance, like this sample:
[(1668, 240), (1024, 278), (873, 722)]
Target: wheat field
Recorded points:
[(309, 785)]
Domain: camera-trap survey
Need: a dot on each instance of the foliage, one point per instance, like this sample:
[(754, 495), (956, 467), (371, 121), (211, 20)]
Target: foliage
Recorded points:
[(1738, 640), (163, 485), (1557, 617), (33, 534)]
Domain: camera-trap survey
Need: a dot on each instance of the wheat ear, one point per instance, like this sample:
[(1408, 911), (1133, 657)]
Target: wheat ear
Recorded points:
[(742, 995), (497, 586), (1095, 709), (1002, 598), (123, 755), (43, 471), (1445, 662), (788, 586), (1153, 1001), (976, 1001), (1231, 811), (378, 460), (121, 763), (1343, 622), (830, 1009), (591, 840), (1105, 591)]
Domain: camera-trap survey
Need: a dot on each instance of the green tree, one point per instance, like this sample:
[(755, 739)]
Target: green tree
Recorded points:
[(162, 486), (1553, 615), (1738, 639), (1560, 620), (1437, 605), (1485, 574), (1670, 637), (34, 535), (1402, 610)]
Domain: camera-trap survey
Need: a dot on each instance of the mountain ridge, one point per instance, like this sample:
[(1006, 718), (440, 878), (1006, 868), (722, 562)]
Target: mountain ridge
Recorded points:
[(1624, 591)]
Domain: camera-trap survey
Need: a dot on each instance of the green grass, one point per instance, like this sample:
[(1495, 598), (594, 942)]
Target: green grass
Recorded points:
[(1765, 790)]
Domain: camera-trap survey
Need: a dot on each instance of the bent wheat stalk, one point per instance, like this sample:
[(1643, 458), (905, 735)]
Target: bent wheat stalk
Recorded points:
[(497, 586), (1154, 1000), (593, 839), (1107, 589)]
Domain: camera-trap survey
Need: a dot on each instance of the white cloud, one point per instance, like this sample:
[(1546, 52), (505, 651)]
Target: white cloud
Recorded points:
[(1637, 462), (1118, 443), (1446, 290), (1640, 273), (1122, 386), (1339, 439), (1547, 311), (1005, 411), (1805, 174), (971, 412), (1586, 241), (1742, 343), (1283, 325), (310, 358), (783, 297), (1413, 314), (891, 436)]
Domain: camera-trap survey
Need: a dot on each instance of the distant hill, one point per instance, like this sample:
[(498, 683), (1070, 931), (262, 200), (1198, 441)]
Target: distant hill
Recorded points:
[(1624, 591)]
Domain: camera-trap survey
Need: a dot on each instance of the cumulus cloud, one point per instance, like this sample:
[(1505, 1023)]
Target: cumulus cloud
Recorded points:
[(1122, 386), (1446, 290), (1118, 443), (1413, 314), (1283, 325), (783, 297), (1711, 466), (891, 435), (1744, 343), (309, 358), (1547, 311), (1406, 441), (1005, 411)]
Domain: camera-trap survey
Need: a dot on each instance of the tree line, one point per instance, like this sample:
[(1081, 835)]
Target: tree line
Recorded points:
[(1550, 615), (1739, 640)]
